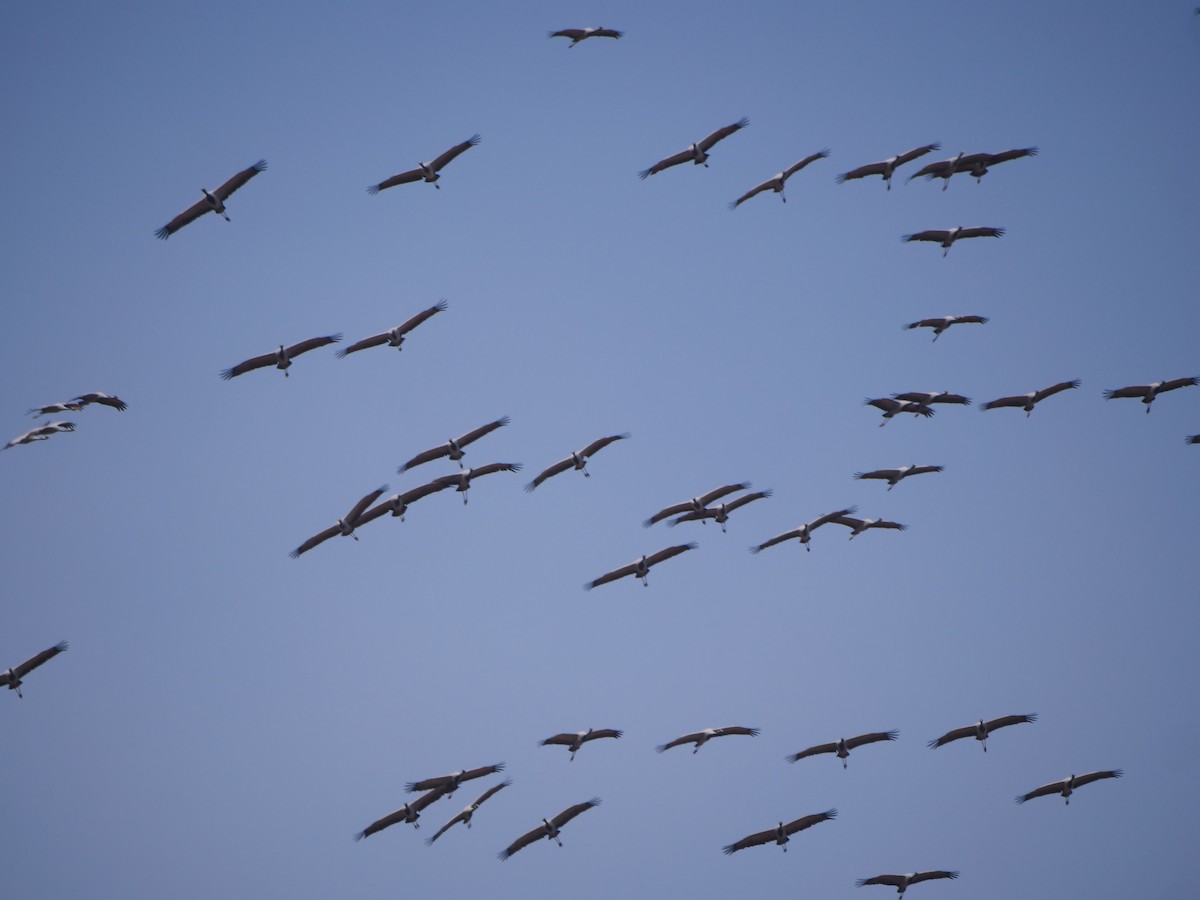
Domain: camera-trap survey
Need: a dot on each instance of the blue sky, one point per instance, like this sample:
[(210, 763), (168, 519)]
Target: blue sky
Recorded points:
[(227, 718)]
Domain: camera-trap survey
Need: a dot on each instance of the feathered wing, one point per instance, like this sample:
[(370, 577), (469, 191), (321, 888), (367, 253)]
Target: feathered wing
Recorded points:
[(747, 498), (426, 456), (813, 751), (312, 344), (751, 840), (931, 875), (402, 178), (758, 189), (980, 232), (934, 235), (472, 436), (257, 362), (872, 738), (808, 821), (454, 151), (360, 507), (492, 469), (915, 153), (611, 576), (33, 662), (443, 781), (893, 880), (564, 740), (1081, 780), (881, 474), (736, 729), (600, 443), (400, 815), (422, 316), (1005, 721), (494, 789), (558, 468), (373, 341), (862, 172), (457, 817), (103, 399), (598, 733), (681, 157), (796, 167), (831, 517), (1005, 401), (572, 811), (189, 215), (655, 558), (523, 841), (778, 539), (679, 741), (666, 512), (226, 190), (721, 133), (1177, 383), (720, 492), (316, 539), (1054, 389), (1055, 787)]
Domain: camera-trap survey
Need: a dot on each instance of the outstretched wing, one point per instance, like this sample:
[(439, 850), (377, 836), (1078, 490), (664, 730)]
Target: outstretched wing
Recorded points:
[(189, 215), (1005, 721), (403, 178), (492, 468), (454, 151), (935, 235), (267, 359), (312, 344), (373, 341), (598, 733), (679, 741), (325, 535), (720, 492), (813, 751), (751, 840), (747, 498), (559, 467), (458, 817), (929, 876), (572, 811), (778, 539), (1081, 780), (472, 436), (862, 172), (655, 558), (980, 232), (681, 157), (600, 443), (1005, 401), (1177, 383), (360, 507), (523, 841), (224, 191), (758, 189), (872, 738), (611, 576), (796, 167), (721, 133), (1054, 389), (33, 662), (809, 821), (736, 729), (1055, 787), (915, 153), (422, 316)]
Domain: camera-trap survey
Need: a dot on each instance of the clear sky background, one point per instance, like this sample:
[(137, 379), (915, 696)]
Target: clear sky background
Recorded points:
[(227, 718)]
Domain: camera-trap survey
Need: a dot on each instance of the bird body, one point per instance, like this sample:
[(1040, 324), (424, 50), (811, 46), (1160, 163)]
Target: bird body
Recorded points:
[(214, 201), (700, 738), (549, 828), (781, 833), (574, 741), (1028, 401), (888, 167), (947, 237), (697, 153), (12, 676), (577, 460), (1147, 392), (427, 172), (1067, 786), (777, 182), (640, 567), (843, 746), (981, 729)]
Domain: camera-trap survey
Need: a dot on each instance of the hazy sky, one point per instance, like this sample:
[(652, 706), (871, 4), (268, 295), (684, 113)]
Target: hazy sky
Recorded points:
[(227, 718)]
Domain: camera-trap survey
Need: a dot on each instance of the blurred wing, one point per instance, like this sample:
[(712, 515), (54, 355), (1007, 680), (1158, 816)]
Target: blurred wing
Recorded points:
[(225, 190), (402, 178), (915, 153), (33, 662), (981, 232), (885, 474), (372, 514), (848, 521), (611, 576), (887, 404), (373, 341), (421, 317), (831, 517), (893, 880), (575, 34), (934, 235), (565, 740), (813, 751), (608, 33), (472, 436), (721, 133), (316, 539), (454, 151), (925, 470), (862, 172), (312, 344)]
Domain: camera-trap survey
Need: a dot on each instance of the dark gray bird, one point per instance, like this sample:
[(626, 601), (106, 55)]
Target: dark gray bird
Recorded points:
[(576, 740), (976, 164), (12, 676), (468, 812), (981, 729), (344, 526), (777, 182), (408, 813), (891, 408), (549, 828), (700, 738), (1028, 401), (462, 481), (696, 504), (398, 504), (858, 526), (721, 511), (641, 566), (946, 237), (448, 784), (55, 408), (453, 448), (281, 358), (901, 882), (888, 167), (41, 433), (804, 532), (843, 746), (1147, 392), (1192, 439), (894, 476), (928, 398), (582, 34), (697, 153), (394, 337), (577, 460), (102, 398), (212, 202), (781, 833), (1067, 786), (941, 323), (426, 171)]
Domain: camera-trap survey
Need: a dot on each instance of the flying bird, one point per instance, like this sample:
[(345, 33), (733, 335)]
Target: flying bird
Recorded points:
[(13, 676), (426, 171), (212, 202), (574, 741), (468, 812), (281, 358), (102, 398), (901, 882), (978, 164), (462, 481), (1028, 401), (41, 433), (1147, 392), (776, 183), (928, 398), (721, 511), (981, 729), (894, 476), (393, 337), (858, 526), (398, 504), (641, 566), (888, 167), (577, 460), (700, 738), (549, 828), (804, 532), (408, 813), (843, 746), (697, 153), (55, 408), (582, 34), (1067, 786), (891, 408), (781, 833), (696, 504), (344, 526), (453, 448), (947, 237), (943, 169), (941, 323), (448, 784)]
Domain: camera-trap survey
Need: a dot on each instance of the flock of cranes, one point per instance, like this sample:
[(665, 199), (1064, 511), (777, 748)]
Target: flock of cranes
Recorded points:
[(699, 508)]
